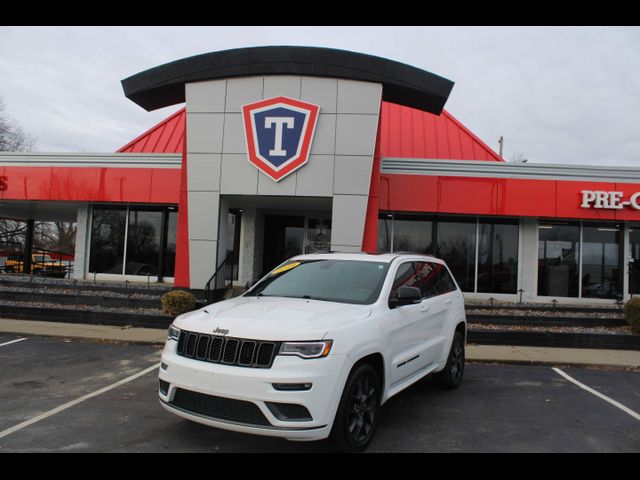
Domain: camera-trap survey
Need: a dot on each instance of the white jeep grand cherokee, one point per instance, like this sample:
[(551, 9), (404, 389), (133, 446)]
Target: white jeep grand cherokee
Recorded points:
[(316, 347)]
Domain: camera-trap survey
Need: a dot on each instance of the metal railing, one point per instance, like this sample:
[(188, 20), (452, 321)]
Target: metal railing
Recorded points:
[(221, 280)]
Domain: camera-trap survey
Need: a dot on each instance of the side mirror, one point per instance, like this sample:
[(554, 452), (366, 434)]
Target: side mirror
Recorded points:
[(405, 296)]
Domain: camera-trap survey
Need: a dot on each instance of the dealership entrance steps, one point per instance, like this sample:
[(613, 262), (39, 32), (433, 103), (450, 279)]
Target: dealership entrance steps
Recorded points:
[(33, 297)]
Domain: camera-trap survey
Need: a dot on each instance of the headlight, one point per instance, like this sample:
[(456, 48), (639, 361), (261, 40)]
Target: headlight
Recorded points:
[(317, 349), (174, 333)]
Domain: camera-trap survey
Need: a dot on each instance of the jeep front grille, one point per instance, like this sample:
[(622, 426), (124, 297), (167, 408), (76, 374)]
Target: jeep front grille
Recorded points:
[(228, 351)]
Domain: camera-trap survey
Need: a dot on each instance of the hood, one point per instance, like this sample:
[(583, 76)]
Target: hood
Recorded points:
[(272, 318)]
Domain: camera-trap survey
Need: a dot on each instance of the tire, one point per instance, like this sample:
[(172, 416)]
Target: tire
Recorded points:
[(451, 376), (358, 411)]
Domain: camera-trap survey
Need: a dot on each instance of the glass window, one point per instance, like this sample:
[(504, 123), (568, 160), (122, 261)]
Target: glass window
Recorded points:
[(170, 248), (601, 260), (405, 277), (427, 278), (344, 281), (143, 242), (456, 246), (634, 264), (558, 256), (445, 283), (412, 235), (107, 240), (384, 233), (497, 256)]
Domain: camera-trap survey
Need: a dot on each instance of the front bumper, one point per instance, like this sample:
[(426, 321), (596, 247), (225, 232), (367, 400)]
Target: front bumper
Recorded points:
[(234, 388)]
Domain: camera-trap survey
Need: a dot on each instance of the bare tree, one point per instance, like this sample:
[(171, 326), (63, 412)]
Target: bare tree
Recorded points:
[(12, 136)]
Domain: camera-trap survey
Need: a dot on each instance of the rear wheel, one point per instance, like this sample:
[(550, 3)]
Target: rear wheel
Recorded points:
[(357, 414), (451, 376)]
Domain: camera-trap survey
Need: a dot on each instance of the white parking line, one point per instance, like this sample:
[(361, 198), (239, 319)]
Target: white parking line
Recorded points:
[(61, 408), (598, 394), (12, 341)]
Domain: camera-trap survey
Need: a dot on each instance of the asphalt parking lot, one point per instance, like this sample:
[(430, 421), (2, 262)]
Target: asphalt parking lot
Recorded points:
[(60, 395)]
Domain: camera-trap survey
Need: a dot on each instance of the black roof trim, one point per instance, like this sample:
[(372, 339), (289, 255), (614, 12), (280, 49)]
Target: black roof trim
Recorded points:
[(403, 84)]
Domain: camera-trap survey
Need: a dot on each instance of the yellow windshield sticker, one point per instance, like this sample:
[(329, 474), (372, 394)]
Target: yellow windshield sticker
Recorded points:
[(286, 267)]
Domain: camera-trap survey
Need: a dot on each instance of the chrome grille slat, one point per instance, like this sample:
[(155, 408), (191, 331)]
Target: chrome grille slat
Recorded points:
[(241, 352)]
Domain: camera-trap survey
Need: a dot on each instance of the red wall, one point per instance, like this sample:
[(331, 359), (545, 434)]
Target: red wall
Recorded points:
[(497, 196), (91, 184)]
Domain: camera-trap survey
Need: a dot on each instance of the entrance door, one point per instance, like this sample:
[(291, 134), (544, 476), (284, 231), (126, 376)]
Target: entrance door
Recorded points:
[(283, 238), (288, 235)]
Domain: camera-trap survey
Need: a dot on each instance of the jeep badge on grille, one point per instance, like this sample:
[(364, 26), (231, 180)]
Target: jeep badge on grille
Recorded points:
[(221, 331)]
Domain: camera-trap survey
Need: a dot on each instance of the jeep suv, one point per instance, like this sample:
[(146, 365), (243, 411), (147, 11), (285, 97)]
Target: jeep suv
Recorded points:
[(316, 347)]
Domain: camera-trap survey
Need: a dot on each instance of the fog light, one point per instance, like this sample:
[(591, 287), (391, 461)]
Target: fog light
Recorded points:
[(289, 412), (292, 387), (164, 387)]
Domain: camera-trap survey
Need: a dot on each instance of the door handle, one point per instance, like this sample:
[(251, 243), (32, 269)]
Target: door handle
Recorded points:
[(424, 308), (448, 302)]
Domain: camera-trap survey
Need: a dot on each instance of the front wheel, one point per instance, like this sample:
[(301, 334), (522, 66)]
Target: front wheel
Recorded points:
[(357, 414), (451, 376)]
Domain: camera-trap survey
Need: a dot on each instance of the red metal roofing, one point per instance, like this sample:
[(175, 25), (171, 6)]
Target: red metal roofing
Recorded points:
[(166, 137), (409, 133), (405, 133)]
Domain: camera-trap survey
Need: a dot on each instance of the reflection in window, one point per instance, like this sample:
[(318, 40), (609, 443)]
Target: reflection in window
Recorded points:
[(412, 235), (558, 256), (107, 240), (170, 249), (600, 261), (143, 242), (456, 246), (497, 256), (144, 229), (634, 264), (384, 233)]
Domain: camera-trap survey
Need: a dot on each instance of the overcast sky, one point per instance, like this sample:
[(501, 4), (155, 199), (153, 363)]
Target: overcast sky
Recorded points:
[(556, 94)]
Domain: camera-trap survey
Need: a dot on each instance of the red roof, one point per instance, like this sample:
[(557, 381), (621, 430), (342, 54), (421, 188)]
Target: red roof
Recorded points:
[(405, 133), (166, 137), (409, 133)]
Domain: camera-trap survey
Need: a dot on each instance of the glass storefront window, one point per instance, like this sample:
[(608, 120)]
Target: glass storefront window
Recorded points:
[(497, 256), (107, 240), (384, 233), (456, 245), (558, 257), (170, 249), (143, 242), (601, 261), (455, 240), (412, 235), (139, 253)]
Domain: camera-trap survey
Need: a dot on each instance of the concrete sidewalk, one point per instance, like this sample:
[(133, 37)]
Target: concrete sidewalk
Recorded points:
[(474, 353)]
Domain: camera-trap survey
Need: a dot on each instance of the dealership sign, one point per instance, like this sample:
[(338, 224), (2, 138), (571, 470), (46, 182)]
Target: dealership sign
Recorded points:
[(609, 200), (279, 132)]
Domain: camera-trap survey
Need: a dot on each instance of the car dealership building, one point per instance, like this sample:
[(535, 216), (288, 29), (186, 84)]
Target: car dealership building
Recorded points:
[(288, 150)]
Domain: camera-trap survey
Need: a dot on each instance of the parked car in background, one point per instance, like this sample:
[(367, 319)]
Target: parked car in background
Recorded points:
[(41, 264)]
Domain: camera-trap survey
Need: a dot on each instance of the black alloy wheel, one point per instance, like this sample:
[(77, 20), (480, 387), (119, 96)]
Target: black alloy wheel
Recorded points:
[(451, 376), (357, 414)]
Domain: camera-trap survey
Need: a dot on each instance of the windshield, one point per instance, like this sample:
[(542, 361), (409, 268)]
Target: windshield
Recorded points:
[(42, 258), (343, 281)]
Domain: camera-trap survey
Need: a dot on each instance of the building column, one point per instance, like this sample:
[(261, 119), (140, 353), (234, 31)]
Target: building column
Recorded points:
[(528, 270), (83, 237), (28, 246)]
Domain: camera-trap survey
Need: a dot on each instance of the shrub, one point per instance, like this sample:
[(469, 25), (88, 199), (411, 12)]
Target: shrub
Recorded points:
[(632, 314), (177, 302)]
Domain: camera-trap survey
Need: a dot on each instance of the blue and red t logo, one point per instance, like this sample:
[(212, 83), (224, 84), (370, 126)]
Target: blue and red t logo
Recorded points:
[(279, 132)]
